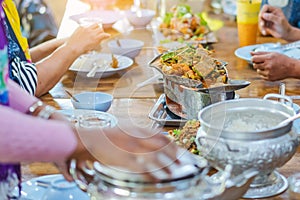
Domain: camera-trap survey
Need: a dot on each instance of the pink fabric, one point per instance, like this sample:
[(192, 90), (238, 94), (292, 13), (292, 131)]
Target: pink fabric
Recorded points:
[(27, 138), (19, 99)]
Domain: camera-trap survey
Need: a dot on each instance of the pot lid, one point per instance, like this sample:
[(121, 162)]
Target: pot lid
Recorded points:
[(247, 119)]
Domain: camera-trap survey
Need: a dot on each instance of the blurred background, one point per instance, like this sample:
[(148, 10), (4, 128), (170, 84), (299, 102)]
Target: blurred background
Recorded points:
[(58, 8)]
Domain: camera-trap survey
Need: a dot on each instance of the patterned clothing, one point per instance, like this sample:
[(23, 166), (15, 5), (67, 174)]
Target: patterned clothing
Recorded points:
[(21, 69), (10, 174), (12, 15)]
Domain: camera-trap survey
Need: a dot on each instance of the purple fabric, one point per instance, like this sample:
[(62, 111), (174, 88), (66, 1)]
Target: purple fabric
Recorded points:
[(3, 41), (10, 174)]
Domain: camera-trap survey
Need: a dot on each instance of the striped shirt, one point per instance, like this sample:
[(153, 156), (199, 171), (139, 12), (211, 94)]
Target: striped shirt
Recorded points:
[(25, 74)]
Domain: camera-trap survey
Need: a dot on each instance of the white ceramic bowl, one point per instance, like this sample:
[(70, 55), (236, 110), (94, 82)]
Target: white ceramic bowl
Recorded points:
[(92, 101), (64, 190), (108, 17), (140, 18), (128, 47)]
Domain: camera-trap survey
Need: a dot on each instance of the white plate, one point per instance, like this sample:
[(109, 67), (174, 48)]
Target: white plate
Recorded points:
[(31, 190), (244, 52), (83, 64), (108, 17), (75, 115)]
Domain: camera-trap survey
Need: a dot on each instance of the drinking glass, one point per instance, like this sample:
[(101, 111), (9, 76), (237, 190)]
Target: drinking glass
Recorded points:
[(247, 21), (94, 120), (294, 186)]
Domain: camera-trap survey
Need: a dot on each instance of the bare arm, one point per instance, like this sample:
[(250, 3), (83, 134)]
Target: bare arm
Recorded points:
[(293, 34), (45, 49), (51, 69)]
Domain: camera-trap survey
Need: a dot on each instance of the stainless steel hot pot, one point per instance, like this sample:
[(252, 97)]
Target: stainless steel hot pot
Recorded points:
[(245, 133), (186, 102), (186, 97), (191, 182)]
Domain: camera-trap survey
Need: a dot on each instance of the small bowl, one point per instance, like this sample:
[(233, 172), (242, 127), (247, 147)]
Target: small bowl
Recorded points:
[(92, 101), (140, 18), (128, 47), (63, 190)]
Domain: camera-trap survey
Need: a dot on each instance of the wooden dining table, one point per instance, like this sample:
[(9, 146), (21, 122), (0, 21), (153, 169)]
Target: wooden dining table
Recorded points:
[(134, 102)]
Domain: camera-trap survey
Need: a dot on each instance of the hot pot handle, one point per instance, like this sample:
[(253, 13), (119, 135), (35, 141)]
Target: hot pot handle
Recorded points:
[(239, 150), (79, 177), (279, 96)]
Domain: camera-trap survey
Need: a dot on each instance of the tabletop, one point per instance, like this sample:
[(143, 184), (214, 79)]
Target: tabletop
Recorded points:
[(134, 102)]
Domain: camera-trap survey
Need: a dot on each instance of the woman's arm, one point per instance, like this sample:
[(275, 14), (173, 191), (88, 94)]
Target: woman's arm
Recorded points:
[(28, 138), (51, 69), (43, 50), (19, 99)]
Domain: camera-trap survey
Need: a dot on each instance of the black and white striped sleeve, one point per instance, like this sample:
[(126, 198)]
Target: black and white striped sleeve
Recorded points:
[(25, 73)]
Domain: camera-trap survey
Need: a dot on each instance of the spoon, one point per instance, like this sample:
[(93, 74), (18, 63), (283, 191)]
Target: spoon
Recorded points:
[(288, 120), (74, 98), (278, 47), (118, 42), (95, 68)]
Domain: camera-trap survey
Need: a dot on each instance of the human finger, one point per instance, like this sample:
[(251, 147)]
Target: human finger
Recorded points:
[(266, 8), (262, 73), (103, 36), (64, 170), (254, 53), (262, 22), (258, 58), (162, 144), (258, 66)]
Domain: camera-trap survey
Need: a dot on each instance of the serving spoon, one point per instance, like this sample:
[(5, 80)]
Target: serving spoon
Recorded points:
[(290, 119)]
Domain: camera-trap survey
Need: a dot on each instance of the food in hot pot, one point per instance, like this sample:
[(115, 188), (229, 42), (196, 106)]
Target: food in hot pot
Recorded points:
[(195, 63)]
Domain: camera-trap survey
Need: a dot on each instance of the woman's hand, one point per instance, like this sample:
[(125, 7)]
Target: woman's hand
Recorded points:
[(128, 148), (86, 38)]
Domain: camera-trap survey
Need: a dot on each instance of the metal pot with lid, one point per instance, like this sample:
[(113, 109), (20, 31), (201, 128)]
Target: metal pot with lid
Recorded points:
[(189, 180), (246, 134)]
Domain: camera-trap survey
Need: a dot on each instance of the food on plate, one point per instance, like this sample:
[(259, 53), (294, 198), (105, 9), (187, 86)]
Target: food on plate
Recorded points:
[(186, 136), (195, 63), (181, 24), (114, 62)]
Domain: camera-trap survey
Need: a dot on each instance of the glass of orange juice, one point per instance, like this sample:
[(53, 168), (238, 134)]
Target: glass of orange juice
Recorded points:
[(247, 21)]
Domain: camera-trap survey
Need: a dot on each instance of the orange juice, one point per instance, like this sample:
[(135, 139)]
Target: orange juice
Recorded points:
[(247, 34), (247, 20)]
